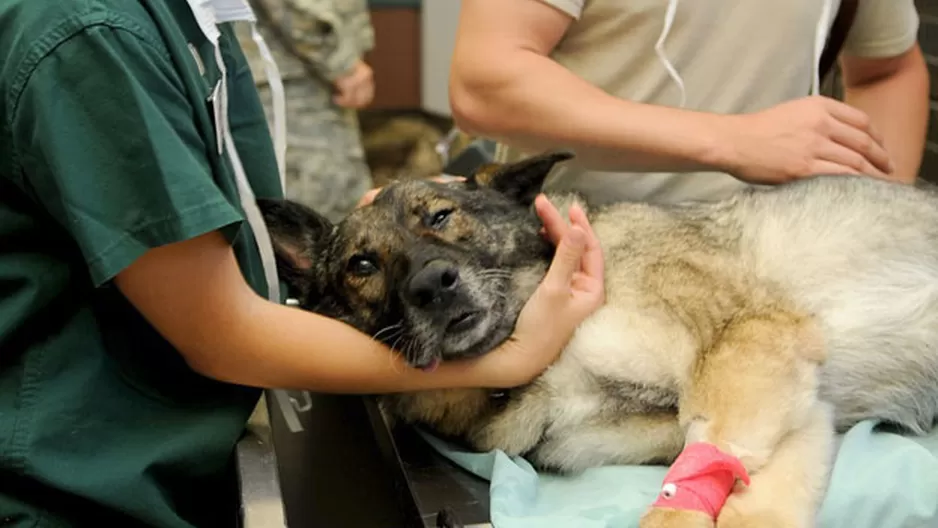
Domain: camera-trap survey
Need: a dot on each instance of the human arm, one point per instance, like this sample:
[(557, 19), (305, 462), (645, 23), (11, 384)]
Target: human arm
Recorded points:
[(498, 98), (331, 38), (506, 99), (119, 164), (180, 288), (885, 75)]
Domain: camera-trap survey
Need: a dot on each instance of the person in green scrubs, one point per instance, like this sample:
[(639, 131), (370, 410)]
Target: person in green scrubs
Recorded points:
[(136, 333)]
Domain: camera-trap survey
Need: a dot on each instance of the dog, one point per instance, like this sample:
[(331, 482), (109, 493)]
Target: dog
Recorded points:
[(761, 324)]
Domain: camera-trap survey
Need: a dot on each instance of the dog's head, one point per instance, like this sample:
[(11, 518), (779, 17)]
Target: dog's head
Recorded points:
[(435, 270)]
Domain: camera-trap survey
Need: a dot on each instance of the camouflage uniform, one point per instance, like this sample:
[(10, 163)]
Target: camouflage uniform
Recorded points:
[(313, 43)]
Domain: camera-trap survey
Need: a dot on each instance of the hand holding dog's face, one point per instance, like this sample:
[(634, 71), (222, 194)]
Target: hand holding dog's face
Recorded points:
[(421, 268)]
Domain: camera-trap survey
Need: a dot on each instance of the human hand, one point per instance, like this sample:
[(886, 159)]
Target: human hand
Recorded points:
[(370, 195), (801, 138), (357, 88), (572, 289)]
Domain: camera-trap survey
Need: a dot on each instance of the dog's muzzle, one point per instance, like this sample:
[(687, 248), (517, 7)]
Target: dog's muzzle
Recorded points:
[(435, 286)]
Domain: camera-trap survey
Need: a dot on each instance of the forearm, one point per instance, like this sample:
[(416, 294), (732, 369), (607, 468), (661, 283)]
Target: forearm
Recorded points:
[(193, 293), (527, 100), (898, 107), (282, 347)]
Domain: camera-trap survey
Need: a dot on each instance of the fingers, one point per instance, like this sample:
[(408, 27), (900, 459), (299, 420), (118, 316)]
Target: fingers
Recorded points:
[(367, 92), (854, 117), (368, 197), (858, 134), (357, 89), (567, 259), (849, 160), (351, 98), (593, 262), (577, 241), (868, 155), (554, 225), (350, 94), (831, 168), (446, 178)]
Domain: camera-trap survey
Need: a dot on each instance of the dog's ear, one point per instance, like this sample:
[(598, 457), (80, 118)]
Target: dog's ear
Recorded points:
[(522, 180), (299, 235)]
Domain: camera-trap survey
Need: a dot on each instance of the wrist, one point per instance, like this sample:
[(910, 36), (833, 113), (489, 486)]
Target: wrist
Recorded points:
[(344, 71), (516, 362), (489, 370), (717, 151)]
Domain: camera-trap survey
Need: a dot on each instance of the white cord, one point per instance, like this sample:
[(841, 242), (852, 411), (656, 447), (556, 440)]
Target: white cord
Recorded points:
[(659, 50), (275, 81), (820, 38)]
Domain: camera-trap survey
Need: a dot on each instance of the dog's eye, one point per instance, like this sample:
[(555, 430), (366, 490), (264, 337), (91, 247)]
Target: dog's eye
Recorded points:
[(439, 218), (362, 266)]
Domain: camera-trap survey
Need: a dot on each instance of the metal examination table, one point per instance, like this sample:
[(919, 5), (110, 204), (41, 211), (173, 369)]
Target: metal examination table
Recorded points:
[(337, 463), (347, 468)]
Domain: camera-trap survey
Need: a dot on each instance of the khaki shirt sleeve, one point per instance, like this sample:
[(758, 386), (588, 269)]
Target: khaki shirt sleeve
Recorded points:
[(358, 21), (883, 28), (574, 8)]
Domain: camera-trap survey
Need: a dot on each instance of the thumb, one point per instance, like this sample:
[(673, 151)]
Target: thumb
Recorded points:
[(568, 256)]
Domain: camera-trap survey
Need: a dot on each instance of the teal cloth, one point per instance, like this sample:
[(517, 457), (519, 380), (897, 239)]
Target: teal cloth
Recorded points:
[(880, 480)]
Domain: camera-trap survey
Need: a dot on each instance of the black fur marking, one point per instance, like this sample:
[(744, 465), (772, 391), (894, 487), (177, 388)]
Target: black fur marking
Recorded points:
[(635, 398)]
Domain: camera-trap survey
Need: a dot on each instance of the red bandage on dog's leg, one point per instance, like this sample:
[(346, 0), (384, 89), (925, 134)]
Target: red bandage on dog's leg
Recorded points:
[(701, 478)]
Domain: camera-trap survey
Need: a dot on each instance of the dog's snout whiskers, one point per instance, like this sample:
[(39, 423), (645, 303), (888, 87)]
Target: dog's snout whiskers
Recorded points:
[(393, 329)]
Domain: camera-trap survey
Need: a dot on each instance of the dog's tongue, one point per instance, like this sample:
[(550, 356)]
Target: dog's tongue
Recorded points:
[(432, 365)]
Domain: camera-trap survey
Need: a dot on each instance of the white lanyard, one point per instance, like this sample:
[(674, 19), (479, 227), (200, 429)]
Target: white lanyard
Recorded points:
[(820, 39), (209, 13)]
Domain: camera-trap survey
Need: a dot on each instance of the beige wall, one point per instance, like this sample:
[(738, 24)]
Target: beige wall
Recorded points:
[(439, 19)]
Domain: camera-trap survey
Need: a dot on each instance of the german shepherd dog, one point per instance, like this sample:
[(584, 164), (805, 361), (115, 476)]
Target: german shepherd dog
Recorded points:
[(761, 324)]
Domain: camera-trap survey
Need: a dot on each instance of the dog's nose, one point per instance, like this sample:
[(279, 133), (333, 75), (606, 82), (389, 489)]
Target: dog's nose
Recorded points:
[(434, 284)]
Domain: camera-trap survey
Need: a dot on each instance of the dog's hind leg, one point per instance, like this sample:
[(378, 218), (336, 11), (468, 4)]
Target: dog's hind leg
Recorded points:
[(747, 397)]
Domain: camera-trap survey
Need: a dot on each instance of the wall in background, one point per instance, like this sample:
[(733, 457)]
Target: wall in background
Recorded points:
[(395, 58), (438, 37), (414, 41)]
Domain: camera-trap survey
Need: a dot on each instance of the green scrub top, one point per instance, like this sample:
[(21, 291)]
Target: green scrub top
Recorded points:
[(108, 148)]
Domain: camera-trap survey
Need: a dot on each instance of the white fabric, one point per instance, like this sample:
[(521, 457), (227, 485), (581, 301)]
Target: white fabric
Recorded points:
[(209, 13)]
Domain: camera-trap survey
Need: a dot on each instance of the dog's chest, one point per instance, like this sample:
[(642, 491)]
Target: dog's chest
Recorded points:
[(618, 363)]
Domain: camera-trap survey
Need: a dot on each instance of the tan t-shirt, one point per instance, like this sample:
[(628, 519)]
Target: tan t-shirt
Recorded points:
[(733, 56)]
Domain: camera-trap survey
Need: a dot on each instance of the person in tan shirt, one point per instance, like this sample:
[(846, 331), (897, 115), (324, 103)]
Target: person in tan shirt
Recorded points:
[(664, 100)]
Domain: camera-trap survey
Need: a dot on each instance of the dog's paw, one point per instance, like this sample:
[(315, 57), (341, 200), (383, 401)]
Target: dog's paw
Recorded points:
[(668, 518)]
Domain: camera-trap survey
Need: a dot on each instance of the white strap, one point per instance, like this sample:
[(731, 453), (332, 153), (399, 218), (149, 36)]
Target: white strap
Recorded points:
[(820, 38), (256, 221), (277, 95), (207, 16)]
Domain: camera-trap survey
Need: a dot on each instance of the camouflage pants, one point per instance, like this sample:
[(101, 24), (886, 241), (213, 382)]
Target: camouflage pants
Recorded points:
[(325, 161)]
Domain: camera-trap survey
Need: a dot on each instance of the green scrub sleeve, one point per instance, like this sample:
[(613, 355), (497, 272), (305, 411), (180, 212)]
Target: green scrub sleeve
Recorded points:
[(105, 138)]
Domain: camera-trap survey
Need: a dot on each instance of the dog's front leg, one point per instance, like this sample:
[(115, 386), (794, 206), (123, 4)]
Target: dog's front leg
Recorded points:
[(750, 398), (787, 491)]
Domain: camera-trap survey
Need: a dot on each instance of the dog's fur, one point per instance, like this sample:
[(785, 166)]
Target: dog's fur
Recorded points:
[(762, 323)]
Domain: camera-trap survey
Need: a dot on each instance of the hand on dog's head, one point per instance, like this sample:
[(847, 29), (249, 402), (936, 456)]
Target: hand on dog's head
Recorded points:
[(427, 265)]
